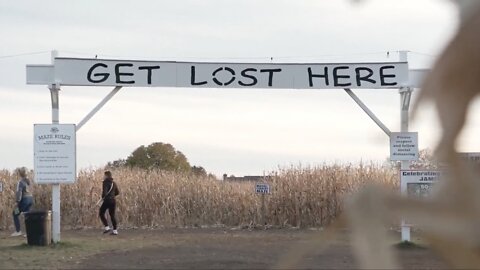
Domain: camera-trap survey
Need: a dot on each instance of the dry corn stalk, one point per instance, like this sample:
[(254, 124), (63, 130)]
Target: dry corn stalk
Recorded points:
[(304, 196)]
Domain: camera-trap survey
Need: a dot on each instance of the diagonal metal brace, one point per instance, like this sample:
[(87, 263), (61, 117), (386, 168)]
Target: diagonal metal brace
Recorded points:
[(98, 107), (367, 110)]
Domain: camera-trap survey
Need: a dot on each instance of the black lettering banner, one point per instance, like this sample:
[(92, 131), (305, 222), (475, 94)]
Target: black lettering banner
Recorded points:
[(130, 73)]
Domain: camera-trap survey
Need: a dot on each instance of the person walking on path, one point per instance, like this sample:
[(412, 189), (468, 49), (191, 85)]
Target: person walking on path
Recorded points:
[(109, 192), (23, 199)]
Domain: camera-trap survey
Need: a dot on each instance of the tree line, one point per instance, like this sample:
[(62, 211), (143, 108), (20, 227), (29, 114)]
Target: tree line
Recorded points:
[(159, 156)]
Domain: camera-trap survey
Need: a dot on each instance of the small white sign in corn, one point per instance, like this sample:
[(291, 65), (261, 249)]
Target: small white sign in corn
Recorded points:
[(262, 188)]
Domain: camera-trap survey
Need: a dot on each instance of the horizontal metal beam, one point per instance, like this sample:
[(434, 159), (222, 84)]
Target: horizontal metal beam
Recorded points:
[(46, 74), (40, 74), (416, 77)]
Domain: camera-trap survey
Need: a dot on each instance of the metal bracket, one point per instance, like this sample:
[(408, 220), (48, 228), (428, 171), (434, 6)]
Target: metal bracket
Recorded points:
[(98, 107), (406, 95), (368, 111)]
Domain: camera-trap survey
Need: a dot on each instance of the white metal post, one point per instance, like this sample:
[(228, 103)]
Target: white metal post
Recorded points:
[(54, 89), (405, 95)]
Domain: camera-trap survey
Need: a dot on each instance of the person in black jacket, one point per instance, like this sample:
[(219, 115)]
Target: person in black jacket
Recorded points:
[(109, 192)]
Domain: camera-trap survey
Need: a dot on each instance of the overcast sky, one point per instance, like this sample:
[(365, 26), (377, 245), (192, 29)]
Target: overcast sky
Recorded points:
[(233, 131)]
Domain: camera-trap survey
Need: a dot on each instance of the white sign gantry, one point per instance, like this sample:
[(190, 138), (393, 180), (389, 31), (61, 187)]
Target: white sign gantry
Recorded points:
[(64, 71)]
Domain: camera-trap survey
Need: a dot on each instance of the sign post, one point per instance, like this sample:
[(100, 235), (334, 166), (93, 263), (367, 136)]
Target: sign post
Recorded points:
[(55, 187), (405, 96), (416, 183), (262, 189), (54, 89), (55, 162)]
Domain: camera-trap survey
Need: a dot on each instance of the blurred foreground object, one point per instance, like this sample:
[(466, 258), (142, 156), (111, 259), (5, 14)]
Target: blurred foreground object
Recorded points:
[(454, 80), (450, 217)]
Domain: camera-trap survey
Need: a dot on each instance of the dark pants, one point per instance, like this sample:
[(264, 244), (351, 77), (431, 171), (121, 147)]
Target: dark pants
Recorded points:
[(23, 206), (110, 206)]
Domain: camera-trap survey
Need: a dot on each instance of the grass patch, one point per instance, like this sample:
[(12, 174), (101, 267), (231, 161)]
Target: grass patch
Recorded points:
[(64, 245), (22, 246), (408, 245), (75, 246), (60, 245)]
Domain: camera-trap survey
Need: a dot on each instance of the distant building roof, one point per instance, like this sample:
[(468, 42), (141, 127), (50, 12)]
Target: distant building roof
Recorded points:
[(245, 178)]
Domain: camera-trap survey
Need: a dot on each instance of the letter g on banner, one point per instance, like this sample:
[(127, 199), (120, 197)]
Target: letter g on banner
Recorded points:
[(104, 76)]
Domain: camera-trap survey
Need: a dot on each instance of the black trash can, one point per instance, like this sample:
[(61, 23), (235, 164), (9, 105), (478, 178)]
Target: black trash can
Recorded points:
[(38, 224)]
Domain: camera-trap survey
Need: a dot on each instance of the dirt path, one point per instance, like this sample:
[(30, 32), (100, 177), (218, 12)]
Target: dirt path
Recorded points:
[(236, 249)]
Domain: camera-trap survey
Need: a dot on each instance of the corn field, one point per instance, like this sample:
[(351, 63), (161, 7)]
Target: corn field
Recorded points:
[(300, 197)]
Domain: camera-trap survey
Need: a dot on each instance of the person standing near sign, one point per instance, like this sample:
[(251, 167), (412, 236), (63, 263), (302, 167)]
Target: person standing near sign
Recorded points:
[(109, 192), (23, 198)]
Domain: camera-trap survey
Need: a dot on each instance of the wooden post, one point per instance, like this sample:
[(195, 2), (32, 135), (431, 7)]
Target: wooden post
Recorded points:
[(262, 220), (297, 210), (263, 189)]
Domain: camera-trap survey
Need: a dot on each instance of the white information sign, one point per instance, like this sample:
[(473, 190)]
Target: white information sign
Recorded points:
[(55, 153), (404, 146), (131, 73), (418, 183), (262, 188)]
